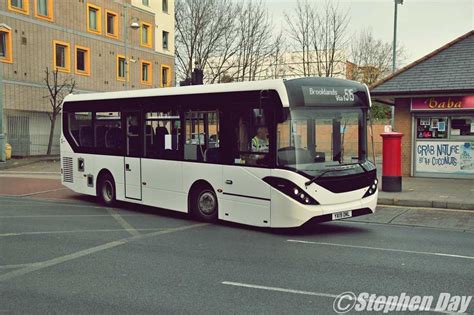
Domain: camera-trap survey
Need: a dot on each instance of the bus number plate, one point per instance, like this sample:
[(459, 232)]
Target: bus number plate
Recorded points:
[(342, 215)]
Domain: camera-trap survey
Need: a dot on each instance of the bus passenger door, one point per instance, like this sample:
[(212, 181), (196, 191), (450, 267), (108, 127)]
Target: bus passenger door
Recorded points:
[(133, 151), (245, 195)]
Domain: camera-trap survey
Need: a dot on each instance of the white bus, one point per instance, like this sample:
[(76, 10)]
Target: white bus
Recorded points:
[(275, 153)]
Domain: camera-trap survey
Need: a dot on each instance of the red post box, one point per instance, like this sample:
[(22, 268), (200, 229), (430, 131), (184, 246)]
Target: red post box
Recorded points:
[(392, 161)]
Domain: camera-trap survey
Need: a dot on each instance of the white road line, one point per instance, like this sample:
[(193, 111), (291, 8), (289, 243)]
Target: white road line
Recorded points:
[(262, 287), (34, 193), (78, 231), (16, 266), (65, 215), (127, 226), (90, 251), (383, 249), (28, 173), (320, 294)]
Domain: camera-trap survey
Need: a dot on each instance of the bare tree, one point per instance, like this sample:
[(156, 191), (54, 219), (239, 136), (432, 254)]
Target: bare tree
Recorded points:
[(256, 42), (318, 33), (58, 90), (371, 58), (300, 25), (329, 38), (204, 28)]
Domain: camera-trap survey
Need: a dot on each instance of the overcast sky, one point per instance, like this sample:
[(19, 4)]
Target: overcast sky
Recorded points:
[(423, 25)]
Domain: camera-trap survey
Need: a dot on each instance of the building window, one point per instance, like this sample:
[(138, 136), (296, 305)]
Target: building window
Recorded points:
[(431, 127), (165, 76), (62, 61), (165, 40), (94, 19), (147, 73), (20, 6), (462, 126), (145, 35), (44, 9), (146, 2), (165, 6), (121, 68), (111, 24), (5, 45), (82, 60)]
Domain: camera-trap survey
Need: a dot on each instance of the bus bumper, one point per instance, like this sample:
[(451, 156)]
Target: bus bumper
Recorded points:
[(288, 213)]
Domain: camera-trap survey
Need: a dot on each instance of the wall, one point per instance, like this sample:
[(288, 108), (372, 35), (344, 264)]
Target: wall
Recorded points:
[(164, 21), (403, 124)]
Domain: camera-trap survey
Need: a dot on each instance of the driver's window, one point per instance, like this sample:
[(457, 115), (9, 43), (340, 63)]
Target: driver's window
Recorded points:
[(253, 141)]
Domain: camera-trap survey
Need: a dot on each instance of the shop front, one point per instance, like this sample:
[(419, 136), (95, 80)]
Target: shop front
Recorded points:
[(433, 98), (443, 132)]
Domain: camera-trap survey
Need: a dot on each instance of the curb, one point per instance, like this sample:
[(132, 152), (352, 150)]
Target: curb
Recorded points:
[(426, 204), (22, 162)]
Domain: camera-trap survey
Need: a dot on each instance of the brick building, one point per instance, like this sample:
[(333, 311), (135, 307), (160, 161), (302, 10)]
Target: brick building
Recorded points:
[(434, 109), (104, 45)]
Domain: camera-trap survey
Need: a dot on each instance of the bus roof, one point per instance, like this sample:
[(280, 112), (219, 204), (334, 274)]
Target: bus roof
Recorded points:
[(278, 85)]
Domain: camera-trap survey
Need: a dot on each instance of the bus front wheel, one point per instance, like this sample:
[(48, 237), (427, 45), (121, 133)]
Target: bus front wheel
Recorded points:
[(204, 205), (106, 190)]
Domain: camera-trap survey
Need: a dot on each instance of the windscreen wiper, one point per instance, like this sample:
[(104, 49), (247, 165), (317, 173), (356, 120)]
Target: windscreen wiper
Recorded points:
[(315, 178)]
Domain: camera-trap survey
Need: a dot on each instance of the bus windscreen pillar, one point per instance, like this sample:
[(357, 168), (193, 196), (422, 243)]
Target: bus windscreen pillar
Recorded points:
[(392, 162)]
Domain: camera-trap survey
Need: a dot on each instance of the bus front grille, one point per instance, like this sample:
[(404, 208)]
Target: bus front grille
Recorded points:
[(67, 170)]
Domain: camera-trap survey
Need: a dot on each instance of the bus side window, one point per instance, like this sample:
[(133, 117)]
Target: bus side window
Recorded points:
[(162, 132), (80, 128), (202, 141)]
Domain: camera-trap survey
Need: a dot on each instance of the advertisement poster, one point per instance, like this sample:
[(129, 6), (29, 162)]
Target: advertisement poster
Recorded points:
[(444, 157)]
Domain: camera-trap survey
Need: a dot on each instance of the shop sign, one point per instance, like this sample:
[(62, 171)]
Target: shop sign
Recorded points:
[(444, 157), (442, 103)]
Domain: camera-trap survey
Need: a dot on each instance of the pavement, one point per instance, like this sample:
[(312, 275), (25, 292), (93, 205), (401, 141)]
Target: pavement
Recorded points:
[(432, 193)]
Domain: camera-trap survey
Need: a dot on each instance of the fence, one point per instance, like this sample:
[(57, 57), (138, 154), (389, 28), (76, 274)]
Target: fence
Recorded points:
[(28, 133)]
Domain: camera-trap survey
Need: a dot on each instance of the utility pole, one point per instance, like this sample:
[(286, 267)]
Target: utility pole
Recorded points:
[(394, 53)]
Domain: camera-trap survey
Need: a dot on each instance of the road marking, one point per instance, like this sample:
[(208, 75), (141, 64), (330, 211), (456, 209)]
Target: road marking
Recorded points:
[(90, 251), (34, 193), (127, 226), (78, 231), (16, 266), (29, 173), (65, 215), (319, 294), (383, 249), (262, 287)]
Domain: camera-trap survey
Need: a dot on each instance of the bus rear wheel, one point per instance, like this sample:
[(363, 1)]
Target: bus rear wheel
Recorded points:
[(106, 190), (204, 205)]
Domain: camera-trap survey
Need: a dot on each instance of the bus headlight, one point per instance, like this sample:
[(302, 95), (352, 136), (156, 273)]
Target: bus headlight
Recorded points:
[(290, 189), (372, 189)]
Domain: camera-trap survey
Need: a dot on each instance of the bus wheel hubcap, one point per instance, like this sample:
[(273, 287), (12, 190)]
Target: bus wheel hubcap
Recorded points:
[(108, 191), (207, 203)]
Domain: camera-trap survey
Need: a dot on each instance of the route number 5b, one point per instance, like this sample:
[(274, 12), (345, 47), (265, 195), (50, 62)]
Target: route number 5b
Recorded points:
[(348, 95)]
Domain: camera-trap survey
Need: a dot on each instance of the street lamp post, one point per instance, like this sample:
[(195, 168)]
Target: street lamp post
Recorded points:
[(2, 135), (126, 26), (394, 52)]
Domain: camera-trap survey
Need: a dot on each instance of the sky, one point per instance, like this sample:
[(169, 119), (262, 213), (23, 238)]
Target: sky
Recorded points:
[(423, 25)]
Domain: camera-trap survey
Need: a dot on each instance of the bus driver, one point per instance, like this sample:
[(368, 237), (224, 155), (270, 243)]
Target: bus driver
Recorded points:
[(260, 141)]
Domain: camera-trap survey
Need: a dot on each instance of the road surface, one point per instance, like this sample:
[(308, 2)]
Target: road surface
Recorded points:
[(74, 256)]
